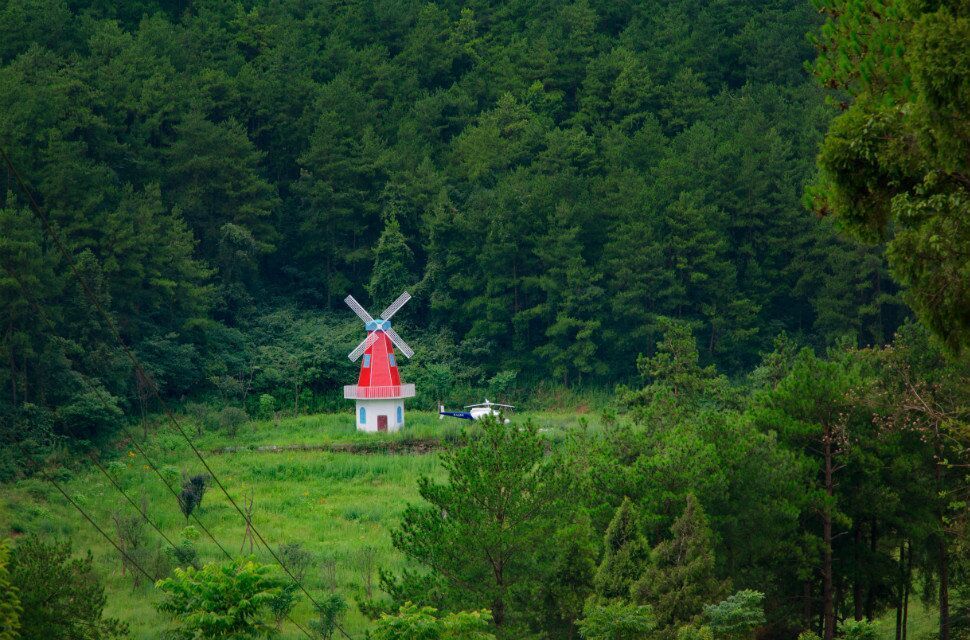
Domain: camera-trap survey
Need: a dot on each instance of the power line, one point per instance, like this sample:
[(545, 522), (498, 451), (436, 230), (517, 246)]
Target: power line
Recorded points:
[(42, 314), (130, 501), (104, 401), (68, 257), (100, 530)]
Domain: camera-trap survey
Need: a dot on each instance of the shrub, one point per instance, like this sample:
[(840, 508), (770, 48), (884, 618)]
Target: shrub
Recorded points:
[(201, 415), (267, 406), (616, 621), (230, 600), (230, 419), (737, 617), (193, 489), (426, 623), (329, 609), (296, 559), (283, 602), (858, 630), (133, 539), (502, 384), (184, 554)]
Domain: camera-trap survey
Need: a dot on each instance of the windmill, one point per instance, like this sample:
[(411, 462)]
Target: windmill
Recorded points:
[(379, 392)]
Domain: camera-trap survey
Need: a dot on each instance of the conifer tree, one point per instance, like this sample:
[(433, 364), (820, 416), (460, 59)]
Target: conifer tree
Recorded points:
[(572, 300), (625, 556), (9, 601), (681, 579), (393, 263)]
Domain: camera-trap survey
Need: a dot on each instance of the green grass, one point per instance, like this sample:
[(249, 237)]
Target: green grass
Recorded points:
[(335, 504), (923, 622)]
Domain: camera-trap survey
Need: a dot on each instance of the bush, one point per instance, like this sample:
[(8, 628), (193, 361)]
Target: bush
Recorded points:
[(193, 489), (426, 623), (267, 406), (616, 621), (737, 617), (230, 600), (202, 416), (502, 384), (283, 602), (230, 419), (184, 554), (329, 609), (296, 559), (857, 630)]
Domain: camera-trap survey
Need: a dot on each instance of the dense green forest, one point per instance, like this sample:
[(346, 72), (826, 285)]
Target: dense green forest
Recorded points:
[(547, 181), (736, 234)]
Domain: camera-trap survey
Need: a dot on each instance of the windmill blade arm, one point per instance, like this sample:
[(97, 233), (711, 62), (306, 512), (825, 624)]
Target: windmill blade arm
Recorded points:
[(363, 346), (395, 306), (359, 310), (399, 342)]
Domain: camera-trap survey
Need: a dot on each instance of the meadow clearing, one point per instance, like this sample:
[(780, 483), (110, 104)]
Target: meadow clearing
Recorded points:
[(339, 506)]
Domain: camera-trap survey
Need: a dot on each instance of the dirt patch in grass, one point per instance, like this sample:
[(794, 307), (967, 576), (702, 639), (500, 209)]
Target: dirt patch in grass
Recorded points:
[(392, 447)]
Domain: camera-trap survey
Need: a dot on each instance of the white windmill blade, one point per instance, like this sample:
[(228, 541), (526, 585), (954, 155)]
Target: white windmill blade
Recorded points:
[(399, 342), (395, 306), (359, 310), (363, 346)]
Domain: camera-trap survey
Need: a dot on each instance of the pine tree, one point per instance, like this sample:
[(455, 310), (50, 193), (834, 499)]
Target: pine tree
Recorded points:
[(213, 177), (482, 530), (625, 556), (681, 579), (9, 601), (572, 301), (340, 180), (393, 263)]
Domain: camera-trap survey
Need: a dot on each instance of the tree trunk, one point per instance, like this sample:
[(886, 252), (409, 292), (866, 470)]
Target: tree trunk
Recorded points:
[(807, 604), (899, 595), (944, 591), (871, 595), (857, 583), (944, 559), (828, 605), (498, 612), (909, 579)]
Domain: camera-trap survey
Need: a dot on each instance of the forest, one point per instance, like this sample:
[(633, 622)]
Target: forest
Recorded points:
[(717, 253)]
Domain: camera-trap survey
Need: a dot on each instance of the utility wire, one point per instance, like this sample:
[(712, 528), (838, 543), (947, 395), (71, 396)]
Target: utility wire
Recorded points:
[(130, 501), (98, 391), (100, 530), (104, 401), (112, 327)]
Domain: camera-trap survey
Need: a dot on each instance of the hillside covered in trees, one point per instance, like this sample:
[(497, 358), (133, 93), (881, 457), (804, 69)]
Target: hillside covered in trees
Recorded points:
[(548, 180)]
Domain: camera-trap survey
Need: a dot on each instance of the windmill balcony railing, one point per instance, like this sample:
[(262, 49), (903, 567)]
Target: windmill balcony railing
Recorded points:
[(355, 392)]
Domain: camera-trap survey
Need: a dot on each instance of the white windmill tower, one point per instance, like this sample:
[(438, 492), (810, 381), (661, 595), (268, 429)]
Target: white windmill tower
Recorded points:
[(379, 392)]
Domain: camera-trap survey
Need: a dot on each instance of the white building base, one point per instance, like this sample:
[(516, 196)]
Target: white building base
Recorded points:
[(380, 415)]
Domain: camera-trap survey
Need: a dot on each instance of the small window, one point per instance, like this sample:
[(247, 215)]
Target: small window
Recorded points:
[(367, 361), (400, 414), (363, 415), (391, 359)]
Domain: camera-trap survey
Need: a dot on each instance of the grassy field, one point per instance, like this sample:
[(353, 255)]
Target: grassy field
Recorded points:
[(340, 506)]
